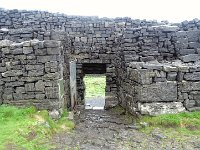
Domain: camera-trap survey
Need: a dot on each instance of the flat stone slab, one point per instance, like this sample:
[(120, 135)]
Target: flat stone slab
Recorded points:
[(95, 103), (161, 108)]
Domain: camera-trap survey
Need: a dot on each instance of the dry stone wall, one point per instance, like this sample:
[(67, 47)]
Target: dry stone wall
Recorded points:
[(151, 67), (31, 73)]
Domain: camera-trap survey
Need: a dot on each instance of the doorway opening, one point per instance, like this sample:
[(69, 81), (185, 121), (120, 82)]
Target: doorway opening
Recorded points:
[(94, 96), (94, 85)]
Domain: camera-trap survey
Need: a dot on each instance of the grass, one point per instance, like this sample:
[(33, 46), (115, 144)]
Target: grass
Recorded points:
[(28, 128), (95, 85), (185, 123)]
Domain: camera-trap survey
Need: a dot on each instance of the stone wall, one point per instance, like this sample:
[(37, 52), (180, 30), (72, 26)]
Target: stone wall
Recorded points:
[(31, 73), (138, 56)]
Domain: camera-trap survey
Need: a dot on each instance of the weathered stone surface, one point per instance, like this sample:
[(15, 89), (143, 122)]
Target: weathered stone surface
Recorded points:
[(27, 50), (51, 44), (157, 92), (5, 43), (20, 90), (141, 76), (39, 86), (137, 56), (171, 76), (195, 76), (187, 86), (53, 51), (29, 87), (12, 73), (190, 58), (52, 92), (154, 109)]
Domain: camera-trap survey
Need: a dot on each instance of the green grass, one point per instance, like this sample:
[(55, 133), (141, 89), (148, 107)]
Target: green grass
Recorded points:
[(186, 122), (28, 128), (95, 85)]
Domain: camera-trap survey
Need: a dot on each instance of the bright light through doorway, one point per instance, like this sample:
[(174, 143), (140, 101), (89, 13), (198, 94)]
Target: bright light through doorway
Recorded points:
[(95, 91)]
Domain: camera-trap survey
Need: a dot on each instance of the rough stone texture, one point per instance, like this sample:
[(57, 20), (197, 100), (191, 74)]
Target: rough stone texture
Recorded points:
[(23, 78), (161, 108), (144, 61), (157, 92)]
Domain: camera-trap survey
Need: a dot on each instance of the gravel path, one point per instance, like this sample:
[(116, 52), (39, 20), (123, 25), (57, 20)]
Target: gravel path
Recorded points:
[(108, 130)]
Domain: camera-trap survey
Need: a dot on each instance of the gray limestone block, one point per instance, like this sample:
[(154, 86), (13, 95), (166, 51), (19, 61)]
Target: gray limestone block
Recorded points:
[(27, 50), (52, 92), (51, 76), (198, 103), (159, 79), (189, 103), (182, 43), (47, 58), (171, 76), (186, 86), (160, 74), (154, 109), (195, 76), (17, 51), (35, 73), (190, 58), (40, 51), (181, 34), (2, 69), (5, 50), (27, 43), (182, 68), (51, 44), (1, 99), (152, 66), (31, 57), (20, 90), (157, 92), (146, 59), (34, 67), (29, 87), (29, 96), (58, 35), (193, 35), (167, 28), (169, 68), (8, 90), (18, 96), (194, 45), (40, 86), (142, 76), (12, 73), (40, 96), (53, 51), (7, 96), (5, 43), (29, 79), (180, 76), (186, 51)]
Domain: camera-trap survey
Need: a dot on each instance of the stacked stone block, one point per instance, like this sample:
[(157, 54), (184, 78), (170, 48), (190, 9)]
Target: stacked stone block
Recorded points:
[(158, 88), (151, 67), (30, 73)]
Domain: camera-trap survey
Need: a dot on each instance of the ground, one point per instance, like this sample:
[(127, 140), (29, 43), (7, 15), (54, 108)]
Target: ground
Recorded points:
[(113, 130)]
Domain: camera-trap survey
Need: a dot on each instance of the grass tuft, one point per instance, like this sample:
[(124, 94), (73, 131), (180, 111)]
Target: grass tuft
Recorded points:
[(27, 128), (186, 122)]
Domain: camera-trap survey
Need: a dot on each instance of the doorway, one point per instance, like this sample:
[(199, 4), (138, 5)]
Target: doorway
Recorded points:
[(94, 96)]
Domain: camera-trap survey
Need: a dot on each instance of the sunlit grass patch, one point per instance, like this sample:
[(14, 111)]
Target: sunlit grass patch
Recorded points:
[(186, 122), (28, 128), (95, 85)]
